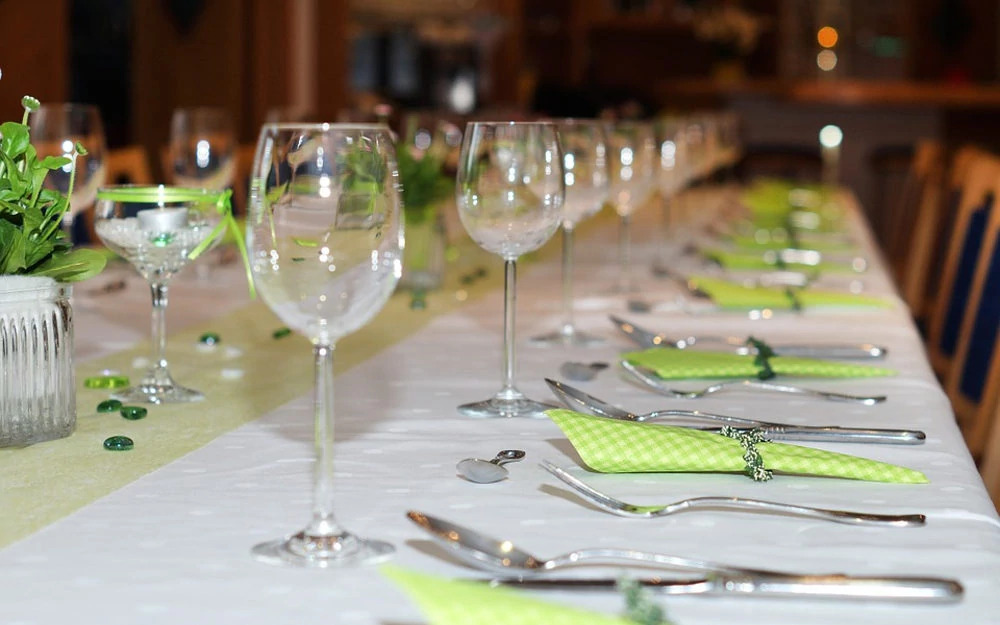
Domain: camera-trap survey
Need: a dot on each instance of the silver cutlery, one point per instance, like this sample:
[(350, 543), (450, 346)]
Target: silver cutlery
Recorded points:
[(502, 557), (621, 508), (649, 378), (648, 338), (582, 371), (579, 400), (917, 589), (488, 471)]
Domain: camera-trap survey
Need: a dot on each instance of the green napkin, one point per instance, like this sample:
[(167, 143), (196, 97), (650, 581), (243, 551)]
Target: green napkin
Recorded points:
[(758, 260), (736, 296), (679, 364), (457, 602), (610, 446), (748, 242)]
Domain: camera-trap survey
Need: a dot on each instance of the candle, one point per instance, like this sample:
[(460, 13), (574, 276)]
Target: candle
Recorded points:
[(162, 219)]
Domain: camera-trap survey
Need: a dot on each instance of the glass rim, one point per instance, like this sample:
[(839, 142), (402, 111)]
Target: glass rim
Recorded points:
[(509, 122), (158, 194), (324, 126)]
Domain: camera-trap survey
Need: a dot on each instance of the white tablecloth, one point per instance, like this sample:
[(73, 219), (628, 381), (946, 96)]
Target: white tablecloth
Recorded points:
[(173, 547)]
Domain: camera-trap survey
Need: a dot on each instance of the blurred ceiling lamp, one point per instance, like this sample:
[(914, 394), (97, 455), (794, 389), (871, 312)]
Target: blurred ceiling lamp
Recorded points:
[(827, 36), (826, 60)]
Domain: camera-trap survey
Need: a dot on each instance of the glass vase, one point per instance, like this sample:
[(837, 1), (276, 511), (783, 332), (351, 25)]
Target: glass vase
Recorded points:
[(424, 254), (37, 390)]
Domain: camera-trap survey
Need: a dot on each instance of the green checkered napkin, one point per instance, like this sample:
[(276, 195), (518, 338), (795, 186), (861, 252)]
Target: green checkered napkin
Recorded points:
[(679, 364), (735, 296), (610, 446), (748, 242), (757, 261), (457, 602)]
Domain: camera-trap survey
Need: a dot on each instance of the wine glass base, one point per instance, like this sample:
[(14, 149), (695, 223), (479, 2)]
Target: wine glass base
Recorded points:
[(158, 394), (571, 338), (322, 552), (497, 408)]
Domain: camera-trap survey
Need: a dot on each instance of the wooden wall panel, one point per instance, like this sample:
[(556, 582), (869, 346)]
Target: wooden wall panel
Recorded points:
[(35, 42)]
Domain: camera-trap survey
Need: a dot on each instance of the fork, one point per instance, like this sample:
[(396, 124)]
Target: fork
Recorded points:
[(621, 508), (653, 382)]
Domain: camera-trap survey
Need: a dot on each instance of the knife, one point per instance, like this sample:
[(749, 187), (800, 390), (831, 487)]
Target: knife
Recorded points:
[(917, 589), (647, 338)]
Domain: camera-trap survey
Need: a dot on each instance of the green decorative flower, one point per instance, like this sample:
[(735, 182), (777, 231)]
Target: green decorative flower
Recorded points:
[(31, 240)]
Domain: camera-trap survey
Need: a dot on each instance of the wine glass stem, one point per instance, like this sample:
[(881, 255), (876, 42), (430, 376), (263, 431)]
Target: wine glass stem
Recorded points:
[(159, 328), (567, 278), (625, 253), (509, 303), (668, 225), (323, 522)]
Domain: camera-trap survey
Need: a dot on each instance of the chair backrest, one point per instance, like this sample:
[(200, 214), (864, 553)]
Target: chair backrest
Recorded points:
[(914, 223), (128, 165), (963, 250), (989, 465), (973, 382)]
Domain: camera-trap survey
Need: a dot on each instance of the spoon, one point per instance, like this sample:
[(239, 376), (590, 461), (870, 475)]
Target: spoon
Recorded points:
[(502, 557), (582, 371), (487, 471)]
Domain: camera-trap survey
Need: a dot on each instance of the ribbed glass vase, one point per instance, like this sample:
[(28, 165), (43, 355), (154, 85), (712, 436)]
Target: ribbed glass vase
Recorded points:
[(37, 390)]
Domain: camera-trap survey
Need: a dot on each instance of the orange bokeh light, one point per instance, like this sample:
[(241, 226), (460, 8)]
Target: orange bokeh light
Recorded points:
[(827, 36)]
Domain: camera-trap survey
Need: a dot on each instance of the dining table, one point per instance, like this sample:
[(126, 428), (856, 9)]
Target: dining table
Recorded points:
[(162, 533)]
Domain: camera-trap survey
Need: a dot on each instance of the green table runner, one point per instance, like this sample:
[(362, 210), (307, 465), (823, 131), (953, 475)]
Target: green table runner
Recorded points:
[(735, 296), (678, 364), (610, 446)]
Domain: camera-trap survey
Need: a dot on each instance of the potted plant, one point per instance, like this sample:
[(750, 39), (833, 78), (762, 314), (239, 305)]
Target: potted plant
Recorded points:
[(37, 263)]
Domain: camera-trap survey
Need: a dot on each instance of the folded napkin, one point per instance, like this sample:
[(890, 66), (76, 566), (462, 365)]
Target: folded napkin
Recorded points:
[(775, 203), (736, 296), (610, 446), (767, 242), (457, 602), (679, 364), (762, 260)]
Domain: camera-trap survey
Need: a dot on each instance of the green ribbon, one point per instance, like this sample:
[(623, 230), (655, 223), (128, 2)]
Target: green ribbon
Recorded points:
[(748, 439), (160, 195), (762, 359)]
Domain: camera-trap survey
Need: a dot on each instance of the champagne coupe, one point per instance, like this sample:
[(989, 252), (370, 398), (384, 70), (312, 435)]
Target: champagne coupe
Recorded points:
[(202, 150), (585, 170), (632, 167), (510, 194), (55, 131), (325, 239), (156, 228)]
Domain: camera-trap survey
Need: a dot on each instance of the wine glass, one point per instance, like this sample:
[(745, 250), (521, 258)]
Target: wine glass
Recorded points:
[(670, 180), (55, 131), (632, 167), (156, 228), (510, 194), (585, 171), (202, 150), (325, 238)]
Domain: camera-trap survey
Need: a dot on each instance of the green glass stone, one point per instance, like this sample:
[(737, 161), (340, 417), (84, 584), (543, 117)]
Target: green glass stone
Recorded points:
[(281, 333), (210, 338), (163, 239), (109, 405), (133, 413), (118, 443), (106, 381)]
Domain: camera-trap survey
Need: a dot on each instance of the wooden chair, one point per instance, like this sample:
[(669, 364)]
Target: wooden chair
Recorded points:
[(912, 223), (989, 466), (975, 206), (973, 383)]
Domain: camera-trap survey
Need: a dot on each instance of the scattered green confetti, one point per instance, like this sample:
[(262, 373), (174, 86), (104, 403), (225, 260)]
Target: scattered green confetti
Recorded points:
[(281, 333), (118, 443), (163, 239), (304, 242), (109, 405), (133, 413), (106, 381), (210, 338)]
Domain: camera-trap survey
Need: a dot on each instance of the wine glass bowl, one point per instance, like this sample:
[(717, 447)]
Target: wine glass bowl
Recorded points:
[(55, 131), (325, 238), (632, 164), (510, 193), (202, 149), (157, 229)]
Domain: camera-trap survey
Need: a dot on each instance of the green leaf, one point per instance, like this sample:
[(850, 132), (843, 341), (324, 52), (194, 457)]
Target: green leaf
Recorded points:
[(79, 264), (54, 162), (15, 139), (11, 248)]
